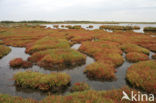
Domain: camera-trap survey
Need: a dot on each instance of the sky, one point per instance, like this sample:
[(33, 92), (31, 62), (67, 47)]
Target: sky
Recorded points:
[(91, 10)]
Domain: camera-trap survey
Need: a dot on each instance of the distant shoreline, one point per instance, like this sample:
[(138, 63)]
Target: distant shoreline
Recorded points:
[(76, 22)]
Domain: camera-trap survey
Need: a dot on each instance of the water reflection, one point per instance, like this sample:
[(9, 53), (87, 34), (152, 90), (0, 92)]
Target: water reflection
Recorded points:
[(77, 75)]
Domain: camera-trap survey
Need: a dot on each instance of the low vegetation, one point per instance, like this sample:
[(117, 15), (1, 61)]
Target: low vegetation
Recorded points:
[(4, 50), (58, 58), (134, 48), (136, 57), (150, 29), (81, 36), (47, 43), (56, 26), (100, 50), (80, 86), (44, 82), (113, 27), (154, 56), (4, 98), (50, 48), (91, 96), (20, 63), (90, 26), (142, 75), (100, 71), (73, 27)]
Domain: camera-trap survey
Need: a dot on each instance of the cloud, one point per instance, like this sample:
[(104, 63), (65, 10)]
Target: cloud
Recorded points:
[(100, 10)]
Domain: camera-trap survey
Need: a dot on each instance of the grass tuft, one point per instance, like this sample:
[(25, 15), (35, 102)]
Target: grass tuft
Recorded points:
[(43, 82), (142, 75), (136, 57), (80, 86), (4, 50)]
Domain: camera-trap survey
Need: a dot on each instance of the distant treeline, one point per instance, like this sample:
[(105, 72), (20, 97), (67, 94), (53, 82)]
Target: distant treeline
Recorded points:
[(77, 22)]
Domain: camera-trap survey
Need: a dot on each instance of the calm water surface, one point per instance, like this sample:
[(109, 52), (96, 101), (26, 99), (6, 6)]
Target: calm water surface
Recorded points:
[(77, 75)]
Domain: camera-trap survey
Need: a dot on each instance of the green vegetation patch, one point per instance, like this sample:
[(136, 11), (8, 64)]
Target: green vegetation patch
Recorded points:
[(142, 75), (4, 98), (89, 96), (150, 29), (78, 36), (113, 27), (58, 58), (73, 27), (4, 50), (134, 48), (79, 97), (135, 57), (105, 51), (100, 71), (80, 86), (47, 43), (43, 82), (90, 26), (19, 62)]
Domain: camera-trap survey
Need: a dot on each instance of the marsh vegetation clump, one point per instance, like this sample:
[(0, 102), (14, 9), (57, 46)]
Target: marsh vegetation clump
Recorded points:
[(100, 50), (23, 35), (142, 75), (47, 43), (88, 96), (58, 58), (79, 87), (20, 63), (4, 50), (44, 82), (56, 26), (73, 27), (90, 26), (136, 57), (4, 98), (150, 29), (100, 71), (79, 36), (114, 27), (91, 96), (62, 26), (154, 56), (134, 48), (147, 42)]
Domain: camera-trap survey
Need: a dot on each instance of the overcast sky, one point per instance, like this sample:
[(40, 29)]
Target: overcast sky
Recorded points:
[(96, 10)]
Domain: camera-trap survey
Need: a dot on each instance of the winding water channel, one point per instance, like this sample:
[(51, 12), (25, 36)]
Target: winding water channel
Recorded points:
[(77, 75)]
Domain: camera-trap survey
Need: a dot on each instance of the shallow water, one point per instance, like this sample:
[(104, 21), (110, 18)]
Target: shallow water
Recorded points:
[(76, 46), (96, 26), (6, 74), (77, 75)]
